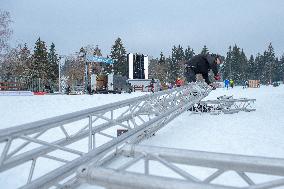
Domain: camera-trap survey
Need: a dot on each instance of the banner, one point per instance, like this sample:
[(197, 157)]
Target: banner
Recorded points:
[(90, 58)]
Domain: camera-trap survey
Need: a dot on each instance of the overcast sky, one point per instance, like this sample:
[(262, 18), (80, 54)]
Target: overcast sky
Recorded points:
[(150, 26)]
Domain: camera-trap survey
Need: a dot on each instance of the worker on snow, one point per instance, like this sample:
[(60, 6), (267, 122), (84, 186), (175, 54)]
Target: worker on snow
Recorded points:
[(202, 64)]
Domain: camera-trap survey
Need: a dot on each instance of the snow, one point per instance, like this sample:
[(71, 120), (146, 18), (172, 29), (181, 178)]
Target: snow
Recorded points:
[(258, 133), (17, 110)]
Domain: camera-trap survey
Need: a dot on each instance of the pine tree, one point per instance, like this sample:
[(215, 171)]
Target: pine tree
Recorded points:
[(53, 62), (269, 65), (97, 51), (176, 65), (281, 68), (162, 69), (236, 70), (243, 67), (251, 69), (204, 50), (276, 72), (153, 67), (39, 67), (188, 53), (235, 65), (25, 58), (226, 69), (259, 65), (118, 54)]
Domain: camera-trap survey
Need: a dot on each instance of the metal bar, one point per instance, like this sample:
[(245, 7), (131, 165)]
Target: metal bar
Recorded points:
[(146, 165), (111, 178), (111, 114), (271, 184), (112, 121), (90, 134), (23, 145), (139, 117), (265, 165), (31, 171), (123, 113), (246, 178), (55, 158), (94, 140), (64, 131), (5, 151), (29, 155), (85, 127), (129, 163), (52, 145), (213, 176), (175, 168), (104, 134)]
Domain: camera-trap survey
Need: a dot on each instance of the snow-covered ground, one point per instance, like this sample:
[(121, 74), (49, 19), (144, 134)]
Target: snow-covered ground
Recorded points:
[(259, 133), (17, 110)]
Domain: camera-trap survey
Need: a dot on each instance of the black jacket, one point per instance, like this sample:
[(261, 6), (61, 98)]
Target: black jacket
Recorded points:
[(202, 64)]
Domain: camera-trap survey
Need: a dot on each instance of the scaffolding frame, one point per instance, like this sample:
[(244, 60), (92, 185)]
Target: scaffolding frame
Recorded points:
[(141, 116)]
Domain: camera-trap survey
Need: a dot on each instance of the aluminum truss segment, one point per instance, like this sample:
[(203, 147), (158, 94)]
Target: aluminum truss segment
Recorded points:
[(110, 178), (225, 104), (141, 116), (222, 163)]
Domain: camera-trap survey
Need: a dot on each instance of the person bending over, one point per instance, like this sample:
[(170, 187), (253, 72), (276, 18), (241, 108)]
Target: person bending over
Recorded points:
[(202, 64)]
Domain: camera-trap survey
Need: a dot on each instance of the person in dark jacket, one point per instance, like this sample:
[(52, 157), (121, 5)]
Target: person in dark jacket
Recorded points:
[(202, 64), (152, 83)]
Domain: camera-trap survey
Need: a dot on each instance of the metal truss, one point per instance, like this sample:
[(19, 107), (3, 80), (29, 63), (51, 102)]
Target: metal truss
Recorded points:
[(122, 175), (224, 104), (74, 139)]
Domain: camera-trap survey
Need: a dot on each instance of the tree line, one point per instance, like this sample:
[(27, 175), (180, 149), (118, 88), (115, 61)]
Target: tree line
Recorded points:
[(21, 64), (265, 67)]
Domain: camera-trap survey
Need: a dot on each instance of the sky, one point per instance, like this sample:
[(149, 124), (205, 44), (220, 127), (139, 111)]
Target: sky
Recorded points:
[(149, 27)]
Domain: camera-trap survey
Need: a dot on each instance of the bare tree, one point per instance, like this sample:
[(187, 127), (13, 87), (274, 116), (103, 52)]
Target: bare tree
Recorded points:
[(5, 31), (74, 70)]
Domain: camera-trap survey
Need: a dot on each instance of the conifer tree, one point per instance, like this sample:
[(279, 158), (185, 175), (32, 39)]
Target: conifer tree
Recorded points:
[(236, 72), (162, 69), (176, 65), (188, 53), (276, 72), (40, 64), (270, 64), (243, 66), (118, 54), (235, 65), (25, 58), (251, 69), (281, 68), (53, 61), (259, 66), (204, 50), (226, 70)]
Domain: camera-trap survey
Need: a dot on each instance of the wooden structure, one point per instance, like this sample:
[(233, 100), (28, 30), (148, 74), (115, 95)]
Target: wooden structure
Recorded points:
[(254, 83)]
